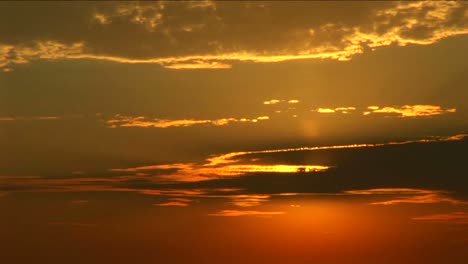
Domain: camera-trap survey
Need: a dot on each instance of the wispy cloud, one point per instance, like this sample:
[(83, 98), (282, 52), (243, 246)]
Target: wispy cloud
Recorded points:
[(20, 118), (408, 196), (173, 203), (142, 121), (446, 218), (178, 202), (248, 200), (199, 65), (246, 213)]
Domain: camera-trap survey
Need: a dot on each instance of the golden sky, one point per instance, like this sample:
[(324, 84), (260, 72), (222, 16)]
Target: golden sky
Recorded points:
[(234, 131)]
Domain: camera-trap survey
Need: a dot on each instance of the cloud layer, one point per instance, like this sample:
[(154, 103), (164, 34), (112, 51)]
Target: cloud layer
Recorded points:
[(158, 32)]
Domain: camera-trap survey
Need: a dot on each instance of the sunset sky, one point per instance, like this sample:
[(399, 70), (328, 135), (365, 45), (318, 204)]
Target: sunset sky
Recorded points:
[(234, 132)]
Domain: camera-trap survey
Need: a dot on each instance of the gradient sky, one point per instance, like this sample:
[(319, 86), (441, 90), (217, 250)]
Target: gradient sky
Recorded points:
[(234, 132)]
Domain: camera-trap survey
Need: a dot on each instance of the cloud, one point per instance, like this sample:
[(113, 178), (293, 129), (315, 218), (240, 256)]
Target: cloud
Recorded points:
[(246, 213), (435, 197), (22, 118), (210, 35), (391, 191), (142, 121), (410, 110), (342, 110), (41, 50), (272, 101), (408, 196), (149, 16), (178, 202), (173, 203), (199, 65), (402, 111), (248, 200), (325, 110), (345, 110), (251, 178), (447, 218), (277, 101)]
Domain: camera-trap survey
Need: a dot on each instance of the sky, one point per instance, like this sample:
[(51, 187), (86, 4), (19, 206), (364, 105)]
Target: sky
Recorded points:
[(233, 131)]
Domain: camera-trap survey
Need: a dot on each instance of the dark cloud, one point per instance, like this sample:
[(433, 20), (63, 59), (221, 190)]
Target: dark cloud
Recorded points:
[(214, 34)]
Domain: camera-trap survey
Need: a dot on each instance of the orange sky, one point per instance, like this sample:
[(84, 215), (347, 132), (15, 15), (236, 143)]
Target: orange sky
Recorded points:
[(233, 132)]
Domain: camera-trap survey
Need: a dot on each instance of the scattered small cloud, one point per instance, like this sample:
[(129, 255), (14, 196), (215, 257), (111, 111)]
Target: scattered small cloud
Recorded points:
[(410, 110), (325, 110), (272, 101)]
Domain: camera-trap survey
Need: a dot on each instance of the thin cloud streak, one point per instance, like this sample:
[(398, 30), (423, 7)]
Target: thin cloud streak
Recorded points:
[(173, 203), (246, 213), (408, 196), (446, 218), (142, 121), (22, 118)]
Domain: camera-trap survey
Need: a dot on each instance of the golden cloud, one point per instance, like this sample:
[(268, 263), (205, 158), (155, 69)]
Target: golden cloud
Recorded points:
[(325, 110), (411, 110), (141, 121), (404, 23)]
